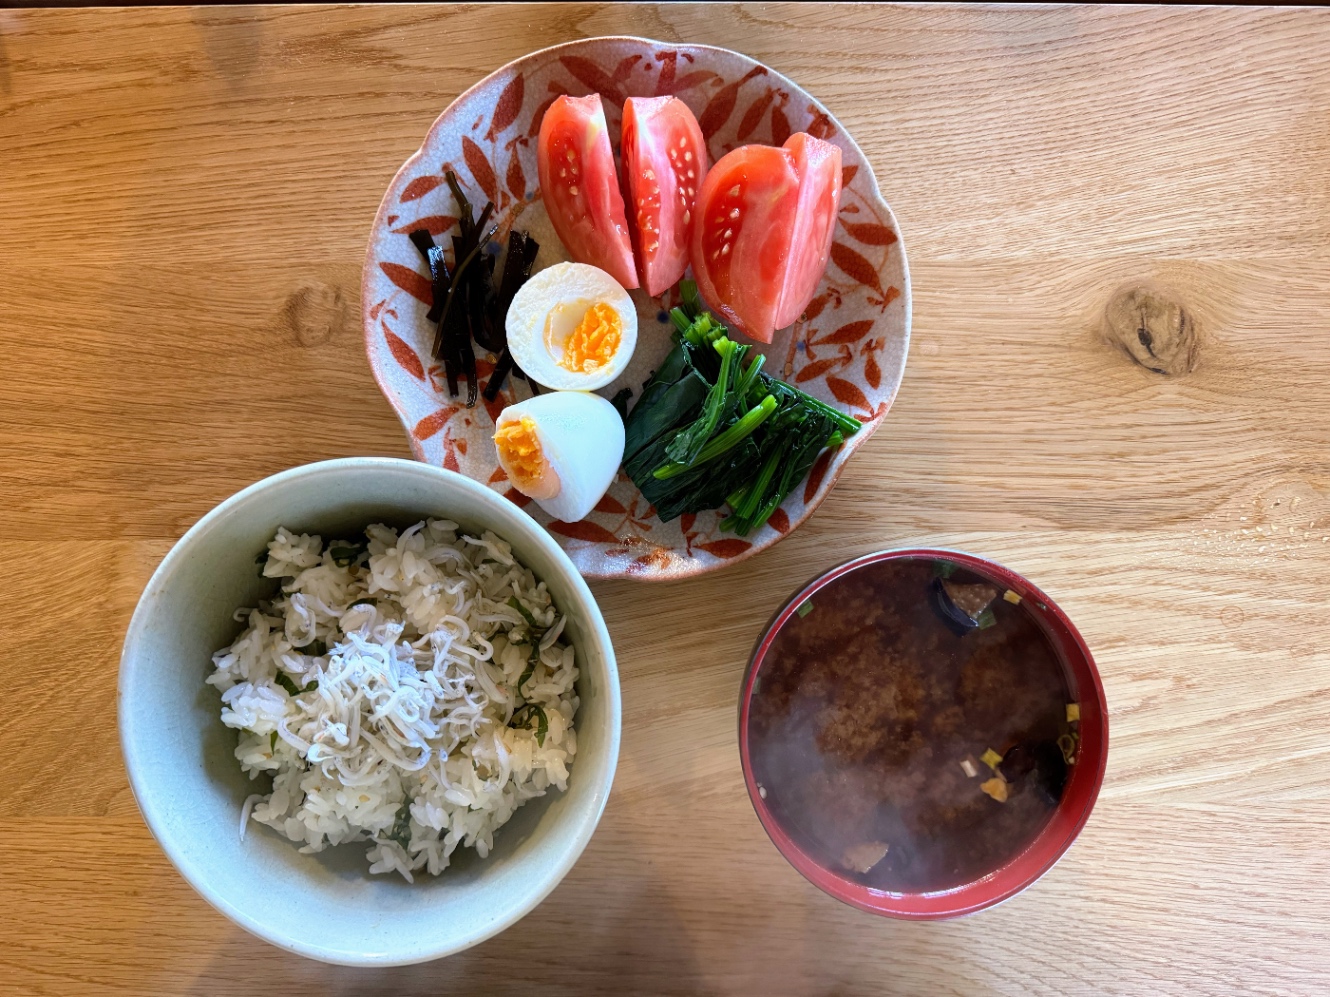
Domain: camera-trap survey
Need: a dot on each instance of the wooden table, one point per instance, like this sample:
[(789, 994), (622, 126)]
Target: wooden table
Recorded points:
[(184, 201)]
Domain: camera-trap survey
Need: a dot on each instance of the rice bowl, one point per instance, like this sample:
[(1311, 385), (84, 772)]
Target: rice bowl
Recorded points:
[(191, 791)]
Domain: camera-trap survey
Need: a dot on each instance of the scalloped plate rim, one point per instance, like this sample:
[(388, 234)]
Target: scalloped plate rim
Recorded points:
[(851, 445)]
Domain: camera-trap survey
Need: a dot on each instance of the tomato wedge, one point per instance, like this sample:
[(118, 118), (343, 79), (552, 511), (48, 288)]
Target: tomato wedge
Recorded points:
[(818, 165), (766, 218), (580, 189), (664, 163), (741, 242)]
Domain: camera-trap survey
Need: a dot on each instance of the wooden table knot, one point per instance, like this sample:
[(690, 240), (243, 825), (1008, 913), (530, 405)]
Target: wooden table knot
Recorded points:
[(314, 312), (1150, 324)]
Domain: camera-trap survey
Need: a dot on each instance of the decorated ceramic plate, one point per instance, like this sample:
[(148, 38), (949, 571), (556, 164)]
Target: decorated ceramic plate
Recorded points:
[(848, 348)]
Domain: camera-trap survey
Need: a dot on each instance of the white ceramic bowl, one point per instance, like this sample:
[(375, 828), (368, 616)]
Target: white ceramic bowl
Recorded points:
[(190, 788)]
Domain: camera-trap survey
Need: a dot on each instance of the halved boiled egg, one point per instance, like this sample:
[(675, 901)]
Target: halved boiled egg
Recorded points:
[(561, 449), (572, 327)]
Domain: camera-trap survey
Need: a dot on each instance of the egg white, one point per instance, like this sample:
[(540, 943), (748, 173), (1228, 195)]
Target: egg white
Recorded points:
[(559, 297), (581, 436)]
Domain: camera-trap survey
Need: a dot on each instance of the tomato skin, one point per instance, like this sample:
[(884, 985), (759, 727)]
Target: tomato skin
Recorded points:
[(741, 238), (580, 188), (664, 165), (818, 165)]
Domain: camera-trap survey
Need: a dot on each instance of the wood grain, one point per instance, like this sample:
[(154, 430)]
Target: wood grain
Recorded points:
[(184, 200)]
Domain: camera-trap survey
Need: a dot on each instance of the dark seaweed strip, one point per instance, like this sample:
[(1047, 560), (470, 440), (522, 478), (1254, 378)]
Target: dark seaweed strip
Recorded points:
[(501, 371), (463, 205), (455, 338), (466, 306), (477, 289), (438, 269), (522, 250), (423, 241), (484, 217), (439, 282), (469, 371)]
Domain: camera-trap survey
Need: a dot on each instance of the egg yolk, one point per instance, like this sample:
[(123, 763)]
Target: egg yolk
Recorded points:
[(523, 459), (593, 343)]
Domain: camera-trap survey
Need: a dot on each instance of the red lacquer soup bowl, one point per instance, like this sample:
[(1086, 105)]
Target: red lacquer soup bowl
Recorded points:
[(1037, 852)]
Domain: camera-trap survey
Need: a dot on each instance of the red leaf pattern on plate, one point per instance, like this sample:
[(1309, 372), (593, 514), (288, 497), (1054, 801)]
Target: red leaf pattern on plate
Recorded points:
[(718, 111), (816, 475), (815, 307), (847, 174), (508, 106), (753, 116), (516, 179), (517, 498), (725, 548), (665, 82), (848, 393), (625, 67), (817, 368), (499, 474), (433, 224), (480, 168), (686, 522), (892, 294), (584, 530), (780, 522), (586, 71), (420, 186), (821, 126), (870, 234), (851, 332), (610, 504), (780, 126), (374, 312), (404, 355), (431, 424), (856, 266), (450, 460), (409, 281), (689, 80), (872, 373), (539, 116)]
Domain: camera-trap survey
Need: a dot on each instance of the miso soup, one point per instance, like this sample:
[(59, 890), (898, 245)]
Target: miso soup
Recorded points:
[(911, 726)]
